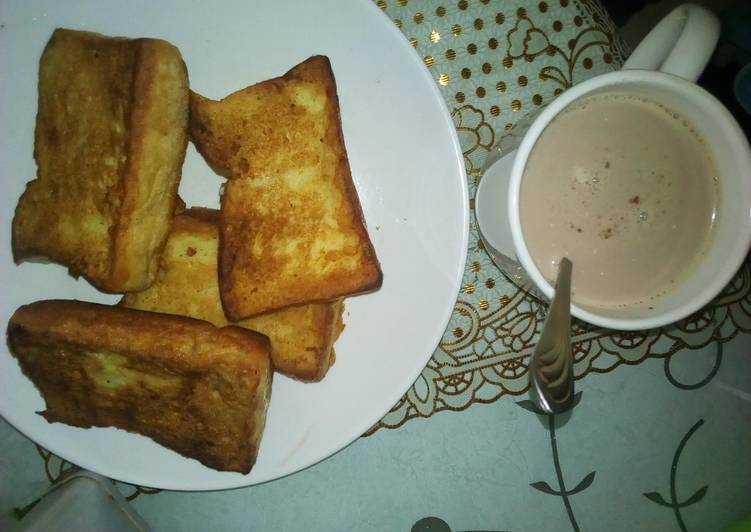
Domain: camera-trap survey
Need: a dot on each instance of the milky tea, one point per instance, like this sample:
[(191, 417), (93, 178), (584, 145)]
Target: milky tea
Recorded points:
[(627, 189)]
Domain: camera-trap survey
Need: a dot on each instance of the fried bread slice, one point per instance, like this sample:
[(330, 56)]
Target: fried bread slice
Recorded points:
[(192, 387), (292, 229), (110, 139), (301, 337)]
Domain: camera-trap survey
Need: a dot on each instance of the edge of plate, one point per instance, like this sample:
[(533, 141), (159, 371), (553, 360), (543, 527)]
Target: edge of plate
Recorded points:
[(358, 431)]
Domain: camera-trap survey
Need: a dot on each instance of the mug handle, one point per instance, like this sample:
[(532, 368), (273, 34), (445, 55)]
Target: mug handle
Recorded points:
[(680, 44)]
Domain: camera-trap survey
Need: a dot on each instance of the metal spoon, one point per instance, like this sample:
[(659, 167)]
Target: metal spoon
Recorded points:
[(551, 368)]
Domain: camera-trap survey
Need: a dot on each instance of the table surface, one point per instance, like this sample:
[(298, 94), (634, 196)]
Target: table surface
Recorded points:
[(659, 438)]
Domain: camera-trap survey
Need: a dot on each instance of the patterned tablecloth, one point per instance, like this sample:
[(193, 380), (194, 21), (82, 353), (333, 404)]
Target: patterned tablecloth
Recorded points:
[(660, 444)]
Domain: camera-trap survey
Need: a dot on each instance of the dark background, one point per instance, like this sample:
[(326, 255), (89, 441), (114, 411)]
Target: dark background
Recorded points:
[(635, 18)]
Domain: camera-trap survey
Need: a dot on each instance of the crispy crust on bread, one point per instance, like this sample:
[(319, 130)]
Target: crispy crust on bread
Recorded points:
[(301, 337), (292, 229), (110, 140), (200, 390)]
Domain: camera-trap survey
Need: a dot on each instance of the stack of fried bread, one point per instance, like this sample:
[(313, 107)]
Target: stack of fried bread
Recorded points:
[(213, 301), (301, 336)]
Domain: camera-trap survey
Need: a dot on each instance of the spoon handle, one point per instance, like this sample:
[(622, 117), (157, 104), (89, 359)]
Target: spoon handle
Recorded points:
[(551, 367), (558, 323)]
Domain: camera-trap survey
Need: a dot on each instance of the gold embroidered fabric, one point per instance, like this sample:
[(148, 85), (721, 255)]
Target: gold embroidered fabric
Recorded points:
[(497, 62)]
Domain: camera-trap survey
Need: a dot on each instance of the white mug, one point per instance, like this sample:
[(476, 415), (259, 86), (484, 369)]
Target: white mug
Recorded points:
[(679, 47)]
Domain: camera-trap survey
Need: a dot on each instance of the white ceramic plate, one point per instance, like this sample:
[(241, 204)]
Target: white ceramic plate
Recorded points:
[(409, 172)]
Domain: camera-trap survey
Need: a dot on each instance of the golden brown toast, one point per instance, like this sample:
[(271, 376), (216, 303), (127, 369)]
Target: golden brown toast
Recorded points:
[(110, 140), (292, 229), (186, 384), (301, 337)]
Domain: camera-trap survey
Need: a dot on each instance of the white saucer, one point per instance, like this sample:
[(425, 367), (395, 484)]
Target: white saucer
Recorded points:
[(494, 227)]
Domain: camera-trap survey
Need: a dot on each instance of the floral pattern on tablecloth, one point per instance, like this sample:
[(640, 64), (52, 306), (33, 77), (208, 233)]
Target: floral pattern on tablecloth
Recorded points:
[(498, 63)]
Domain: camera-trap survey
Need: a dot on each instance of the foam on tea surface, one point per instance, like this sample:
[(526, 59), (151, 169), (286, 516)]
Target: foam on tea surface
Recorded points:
[(627, 189)]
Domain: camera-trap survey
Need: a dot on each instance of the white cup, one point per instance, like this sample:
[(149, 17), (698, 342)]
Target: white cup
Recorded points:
[(679, 46)]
